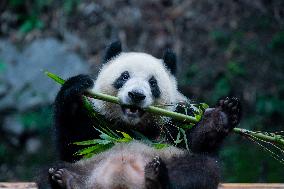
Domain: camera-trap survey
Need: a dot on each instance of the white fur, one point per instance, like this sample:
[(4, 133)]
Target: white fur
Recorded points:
[(124, 164), (141, 68)]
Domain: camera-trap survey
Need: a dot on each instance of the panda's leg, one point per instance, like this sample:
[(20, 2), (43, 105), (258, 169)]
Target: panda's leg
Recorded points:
[(156, 174), (194, 172), (215, 125), (72, 123), (63, 178)]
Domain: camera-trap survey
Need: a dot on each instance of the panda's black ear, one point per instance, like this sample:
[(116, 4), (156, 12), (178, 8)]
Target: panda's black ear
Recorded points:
[(170, 60), (112, 50)]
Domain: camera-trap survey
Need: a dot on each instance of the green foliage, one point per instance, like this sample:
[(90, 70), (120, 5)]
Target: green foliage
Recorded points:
[(267, 105), (2, 150), (244, 162), (109, 138), (55, 77), (30, 14), (235, 68), (253, 56), (17, 158), (277, 42), (192, 71), (30, 24), (2, 65), (221, 37), (40, 119), (221, 89), (69, 5)]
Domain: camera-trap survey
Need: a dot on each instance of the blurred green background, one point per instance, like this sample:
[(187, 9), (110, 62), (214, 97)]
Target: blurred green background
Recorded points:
[(233, 47)]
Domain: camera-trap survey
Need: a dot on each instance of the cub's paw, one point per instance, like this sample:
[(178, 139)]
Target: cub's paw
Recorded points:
[(60, 177), (154, 168), (156, 174), (75, 86), (232, 108)]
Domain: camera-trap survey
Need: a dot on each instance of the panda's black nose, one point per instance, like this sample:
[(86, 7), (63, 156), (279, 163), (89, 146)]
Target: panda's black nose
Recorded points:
[(136, 96)]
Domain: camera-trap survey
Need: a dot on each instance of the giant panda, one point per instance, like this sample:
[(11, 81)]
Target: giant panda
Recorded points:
[(140, 80)]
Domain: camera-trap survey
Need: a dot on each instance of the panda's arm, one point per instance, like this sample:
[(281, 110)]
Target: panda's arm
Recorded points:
[(216, 124), (72, 123)]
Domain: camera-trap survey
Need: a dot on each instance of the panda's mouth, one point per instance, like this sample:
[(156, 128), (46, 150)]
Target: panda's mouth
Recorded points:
[(132, 111)]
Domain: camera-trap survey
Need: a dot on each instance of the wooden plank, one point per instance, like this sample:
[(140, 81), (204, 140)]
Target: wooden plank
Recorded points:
[(30, 185), (250, 186), (18, 185)]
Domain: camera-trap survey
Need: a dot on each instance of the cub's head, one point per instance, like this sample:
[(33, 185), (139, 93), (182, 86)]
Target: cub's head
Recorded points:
[(137, 79)]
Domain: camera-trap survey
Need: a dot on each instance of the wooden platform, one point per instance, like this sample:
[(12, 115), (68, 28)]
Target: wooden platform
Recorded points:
[(250, 186), (30, 185)]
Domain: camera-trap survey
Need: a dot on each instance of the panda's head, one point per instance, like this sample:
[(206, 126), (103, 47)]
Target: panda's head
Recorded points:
[(137, 79)]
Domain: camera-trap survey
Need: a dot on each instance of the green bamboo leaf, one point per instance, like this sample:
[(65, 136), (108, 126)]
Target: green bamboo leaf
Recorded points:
[(88, 150), (125, 135), (187, 126), (178, 140), (92, 142), (160, 145), (55, 77), (123, 140), (94, 149), (109, 132), (104, 136), (204, 106), (184, 138)]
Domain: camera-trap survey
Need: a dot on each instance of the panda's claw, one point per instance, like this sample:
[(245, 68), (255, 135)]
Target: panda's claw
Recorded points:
[(76, 86), (153, 168), (59, 176), (51, 170), (232, 108)]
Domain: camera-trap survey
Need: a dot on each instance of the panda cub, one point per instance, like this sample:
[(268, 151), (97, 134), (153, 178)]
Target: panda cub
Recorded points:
[(138, 166), (139, 80)]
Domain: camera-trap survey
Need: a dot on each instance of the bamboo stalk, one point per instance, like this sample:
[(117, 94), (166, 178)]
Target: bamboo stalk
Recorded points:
[(151, 109), (276, 139)]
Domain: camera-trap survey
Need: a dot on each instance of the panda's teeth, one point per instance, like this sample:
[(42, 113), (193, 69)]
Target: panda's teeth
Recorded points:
[(131, 110)]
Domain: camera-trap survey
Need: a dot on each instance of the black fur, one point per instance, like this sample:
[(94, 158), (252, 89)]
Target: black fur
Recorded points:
[(119, 82), (170, 61), (72, 123), (195, 171), (154, 87), (136, 96), (209, 133), (156, 174), (112, 51)]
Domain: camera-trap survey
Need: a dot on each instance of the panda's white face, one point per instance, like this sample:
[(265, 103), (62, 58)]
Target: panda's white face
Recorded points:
[(137, 79)]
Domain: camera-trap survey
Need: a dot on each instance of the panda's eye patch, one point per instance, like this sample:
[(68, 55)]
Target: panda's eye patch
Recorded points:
[(125, 75), (154, 87), (121, 80), (153, 82)]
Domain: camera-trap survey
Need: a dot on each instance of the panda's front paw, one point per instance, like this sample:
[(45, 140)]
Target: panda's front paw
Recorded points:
[(232, 108), (60, 177), (75, 86), (156, 174)]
